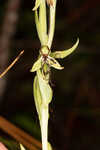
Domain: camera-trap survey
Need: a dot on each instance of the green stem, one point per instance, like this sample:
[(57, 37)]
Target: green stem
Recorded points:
[(44, 127)]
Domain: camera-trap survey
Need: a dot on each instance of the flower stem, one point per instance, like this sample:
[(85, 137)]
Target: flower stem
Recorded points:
[(44, 128)]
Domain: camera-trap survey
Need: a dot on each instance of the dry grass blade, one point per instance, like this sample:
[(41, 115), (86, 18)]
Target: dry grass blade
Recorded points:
[(18, 134), (12, 64)]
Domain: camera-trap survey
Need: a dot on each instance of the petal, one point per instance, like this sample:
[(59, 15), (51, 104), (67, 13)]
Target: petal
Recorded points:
[(54, 63), (45, 89), (65, 53), (36, 65), (37, 4)]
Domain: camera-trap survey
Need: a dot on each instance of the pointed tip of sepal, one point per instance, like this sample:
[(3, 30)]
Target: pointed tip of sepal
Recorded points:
[(59, 67), (77, 41), (65, 53), (31, 70), (37, 4), (33, 9), (62, 68)]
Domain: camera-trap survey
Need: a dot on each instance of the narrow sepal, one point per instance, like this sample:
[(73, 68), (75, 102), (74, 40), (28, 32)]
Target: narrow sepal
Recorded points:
[(37, 96), (38, 25), (65, 53)]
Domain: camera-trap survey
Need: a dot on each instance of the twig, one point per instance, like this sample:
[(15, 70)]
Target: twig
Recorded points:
[(12, 64)]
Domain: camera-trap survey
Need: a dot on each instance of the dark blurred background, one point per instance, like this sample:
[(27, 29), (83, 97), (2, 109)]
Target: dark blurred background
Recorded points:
[(75, 109)]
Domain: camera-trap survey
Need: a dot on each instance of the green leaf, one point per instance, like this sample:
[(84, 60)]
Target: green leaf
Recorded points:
[(36, 65), (37, 96), (65, 53), (45, 89), (54, 63), (37, 4)]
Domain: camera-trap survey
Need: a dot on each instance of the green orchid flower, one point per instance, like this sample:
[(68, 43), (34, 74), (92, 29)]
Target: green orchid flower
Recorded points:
[(47, 58), (42, 91)]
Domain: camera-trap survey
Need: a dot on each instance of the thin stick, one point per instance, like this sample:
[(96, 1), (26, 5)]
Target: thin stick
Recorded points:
[(12, 64)]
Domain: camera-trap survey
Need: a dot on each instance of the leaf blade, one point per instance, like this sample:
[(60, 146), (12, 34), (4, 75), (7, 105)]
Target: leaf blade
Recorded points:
[(45, 89), (37, 96)]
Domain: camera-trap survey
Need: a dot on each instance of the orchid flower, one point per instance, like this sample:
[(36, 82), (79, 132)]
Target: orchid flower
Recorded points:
[(46, 60)]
